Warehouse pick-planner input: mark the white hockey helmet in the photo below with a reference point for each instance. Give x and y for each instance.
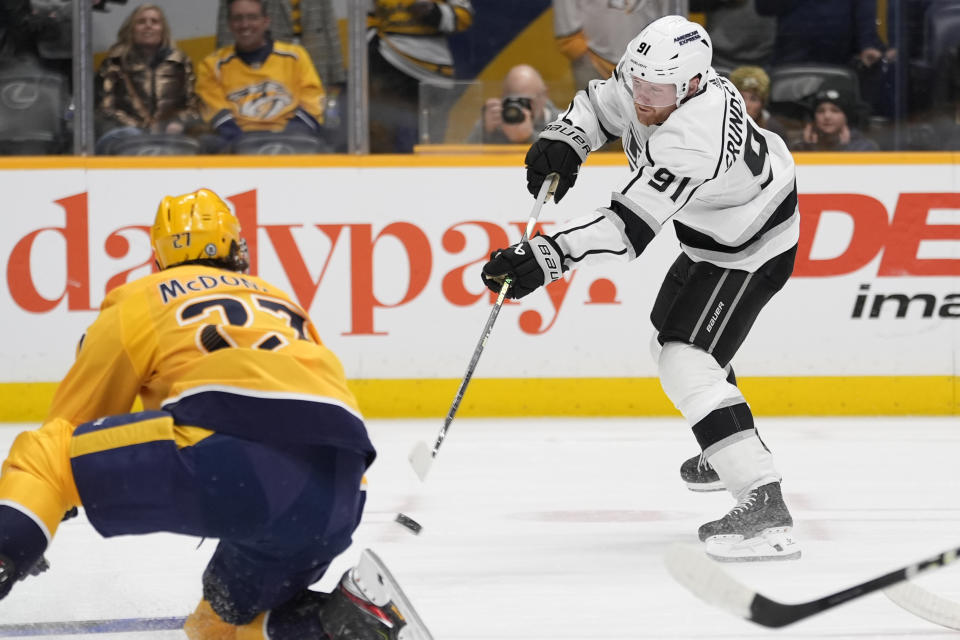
(669, 50)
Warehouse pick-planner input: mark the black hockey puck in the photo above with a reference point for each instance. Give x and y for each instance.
(412, 525)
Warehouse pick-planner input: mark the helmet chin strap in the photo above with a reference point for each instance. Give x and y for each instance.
(683, 88)
(687, 93)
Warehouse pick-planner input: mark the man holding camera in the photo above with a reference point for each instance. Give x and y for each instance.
(519, 114)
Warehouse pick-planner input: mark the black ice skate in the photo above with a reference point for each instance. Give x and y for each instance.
(368, 604)
(758, 528)
(9, 573)
(699, 475)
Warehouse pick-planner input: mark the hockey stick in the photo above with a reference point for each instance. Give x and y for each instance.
(421, 456)
(118, 625)
(925, 604)
(705, 578)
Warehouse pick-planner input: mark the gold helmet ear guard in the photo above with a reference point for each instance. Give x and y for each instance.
(197, 227)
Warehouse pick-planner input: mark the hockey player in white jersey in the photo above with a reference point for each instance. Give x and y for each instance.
(728, 186)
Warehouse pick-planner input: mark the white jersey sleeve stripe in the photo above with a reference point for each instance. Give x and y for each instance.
(577, 127)
(637, 232)
(775, 213)
(646, 218)
(607, 127)
(779, 239)
(595, 239)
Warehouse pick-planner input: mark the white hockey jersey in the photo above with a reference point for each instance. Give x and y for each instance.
(728, 185)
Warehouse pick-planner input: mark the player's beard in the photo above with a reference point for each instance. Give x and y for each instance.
(650, 116)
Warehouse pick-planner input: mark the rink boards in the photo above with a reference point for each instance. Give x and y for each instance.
(385, 254)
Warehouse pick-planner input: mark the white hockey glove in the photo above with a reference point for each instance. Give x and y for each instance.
(529, 265)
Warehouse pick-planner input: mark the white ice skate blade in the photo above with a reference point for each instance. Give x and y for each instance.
(772, 544)
(379, 586)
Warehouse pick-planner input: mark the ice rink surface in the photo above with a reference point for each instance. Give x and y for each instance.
(554, 529)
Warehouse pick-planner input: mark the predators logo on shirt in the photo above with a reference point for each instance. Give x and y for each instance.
(262, 101)
(264, 94)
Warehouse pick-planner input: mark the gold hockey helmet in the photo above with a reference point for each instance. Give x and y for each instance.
(197, 226)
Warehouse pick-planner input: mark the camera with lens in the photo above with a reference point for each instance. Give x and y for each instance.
(513, 109)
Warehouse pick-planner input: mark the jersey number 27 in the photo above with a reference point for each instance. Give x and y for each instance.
(270, 328)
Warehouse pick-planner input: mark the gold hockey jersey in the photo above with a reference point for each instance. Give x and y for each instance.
(261, 97)
(218, 349)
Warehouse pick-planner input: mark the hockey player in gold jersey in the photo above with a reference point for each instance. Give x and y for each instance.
(249, 435)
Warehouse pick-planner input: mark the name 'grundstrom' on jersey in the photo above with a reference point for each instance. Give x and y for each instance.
(728, 185)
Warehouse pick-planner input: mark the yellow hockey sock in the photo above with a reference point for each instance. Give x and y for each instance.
(205, 624)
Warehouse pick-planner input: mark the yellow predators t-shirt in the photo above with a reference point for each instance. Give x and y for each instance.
(262, 97)
(218, 349)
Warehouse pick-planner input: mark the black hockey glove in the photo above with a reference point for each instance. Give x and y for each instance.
(552, 156)
(529, 265)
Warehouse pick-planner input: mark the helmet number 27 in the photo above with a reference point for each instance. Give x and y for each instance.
(181, 240)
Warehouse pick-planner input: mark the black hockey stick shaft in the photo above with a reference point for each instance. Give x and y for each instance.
(771, 613)
(546, 191)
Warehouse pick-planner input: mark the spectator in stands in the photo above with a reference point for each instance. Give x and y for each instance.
(825, 31)
(144, 85)
(740, 36)
(313, 25)
(832, 127)
(519, 114)
(754, 85)
(838, 32)
(409, 49)
(593, 34)
(258, 83)
(310, 23)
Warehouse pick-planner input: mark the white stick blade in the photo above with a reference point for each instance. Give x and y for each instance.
(421, 457)
(925, 604)
(706, 579)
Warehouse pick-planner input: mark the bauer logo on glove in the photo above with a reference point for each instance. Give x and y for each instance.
(562, 156)
(528, 266)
